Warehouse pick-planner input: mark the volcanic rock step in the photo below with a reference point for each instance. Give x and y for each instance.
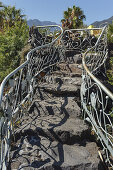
(59, 85)
(70, 70)
(37, 152)
(57, 128)
(59, 120)
(53, 137)
(55, 79)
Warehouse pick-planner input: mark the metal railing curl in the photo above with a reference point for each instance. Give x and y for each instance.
(16, 90)
(96, 98)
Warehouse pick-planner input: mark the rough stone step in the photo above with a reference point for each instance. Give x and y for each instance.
(57, 128)
(64, 74)
(41, 94)
(36, 152)
(60, 116)
(64, 80)
(61, 89)
(71, 68)
(56, 107)
(73, 56)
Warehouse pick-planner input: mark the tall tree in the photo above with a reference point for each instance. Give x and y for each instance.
(73, 18)
(10, 15)
(1, 15)
(13, 37)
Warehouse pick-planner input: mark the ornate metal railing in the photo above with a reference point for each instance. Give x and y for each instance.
(17, 89)
(96, 99)
(80, 40)
(77, 41)
(43, 35)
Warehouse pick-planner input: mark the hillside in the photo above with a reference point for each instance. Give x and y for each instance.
(36, 22)
(99, 23)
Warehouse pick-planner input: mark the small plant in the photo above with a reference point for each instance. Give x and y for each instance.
(110, 46)
(110, 33)
(111, 114)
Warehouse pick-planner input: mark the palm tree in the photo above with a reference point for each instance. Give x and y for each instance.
(1, 15)
(10, 15)
(67, 18)
(1, 5)
(73, 18)
(17, 15)
(77, 17)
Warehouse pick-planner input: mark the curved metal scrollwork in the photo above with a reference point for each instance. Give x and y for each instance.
(42, 35)
(80, 40)
(16, 90)
(96, 99)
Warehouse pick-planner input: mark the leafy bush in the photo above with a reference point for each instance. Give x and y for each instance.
(110, 33)
(12, 40)
(110, 48)
(110, 70)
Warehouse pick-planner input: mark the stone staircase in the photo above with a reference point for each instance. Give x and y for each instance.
(53, 135)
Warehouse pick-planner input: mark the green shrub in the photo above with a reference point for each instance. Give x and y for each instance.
(110, 33)
(12, 39)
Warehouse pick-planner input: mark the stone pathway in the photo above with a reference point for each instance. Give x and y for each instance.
(53, 136)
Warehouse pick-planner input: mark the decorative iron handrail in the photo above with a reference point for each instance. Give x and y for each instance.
(28, 58)
(16, 89)
(96, 99)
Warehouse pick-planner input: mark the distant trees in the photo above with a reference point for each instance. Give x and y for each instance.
(14, 33)
(73, 18)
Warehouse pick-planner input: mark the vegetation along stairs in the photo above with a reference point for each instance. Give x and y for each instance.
(46, 101)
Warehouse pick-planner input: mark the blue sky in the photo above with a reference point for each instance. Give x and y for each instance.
(52, 10)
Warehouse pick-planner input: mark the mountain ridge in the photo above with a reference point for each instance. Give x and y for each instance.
(37, 22)
(99, 23)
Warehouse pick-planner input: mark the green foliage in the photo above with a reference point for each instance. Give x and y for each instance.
(110, 69)
(111, 114)
(73, 18)
(110, 33)
(13, 37)
(110, 76)
(24, 52)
